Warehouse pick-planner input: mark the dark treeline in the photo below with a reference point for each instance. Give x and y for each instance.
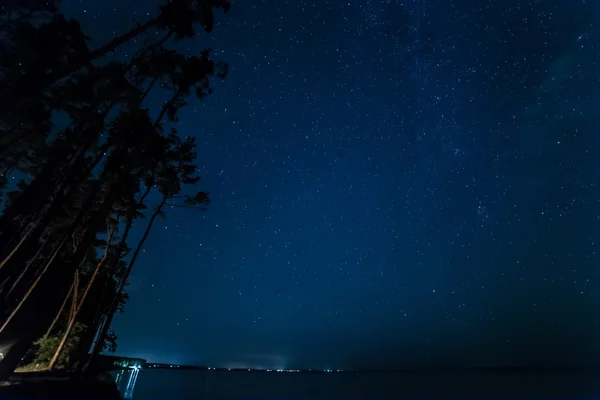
(65, 252)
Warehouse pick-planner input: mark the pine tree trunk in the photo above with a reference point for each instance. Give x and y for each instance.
(77, 306)
(51, 214)
(102, 335)
(102, 321)
(60, 311)
(124, 38)
(74, 177)
(93, 323)
(24, 330)
(136, 253)
(61, 345)
(16, 282)
(33, 285)
(74, 170)
(44, 186)
(30, 194)
(17, 247)
(70, 324)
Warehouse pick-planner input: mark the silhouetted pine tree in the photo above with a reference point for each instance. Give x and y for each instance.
(175, 170)
(176, 17)
(100, 167)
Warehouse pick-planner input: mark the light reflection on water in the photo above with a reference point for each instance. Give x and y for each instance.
(126, 380)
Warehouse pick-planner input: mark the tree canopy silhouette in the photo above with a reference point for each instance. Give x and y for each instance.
(65, 254)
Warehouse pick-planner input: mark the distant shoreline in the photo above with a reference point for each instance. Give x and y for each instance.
(435, 370)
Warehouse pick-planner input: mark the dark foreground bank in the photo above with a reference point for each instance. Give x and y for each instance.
(53, 387)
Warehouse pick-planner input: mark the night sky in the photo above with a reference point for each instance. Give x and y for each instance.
(394, 183)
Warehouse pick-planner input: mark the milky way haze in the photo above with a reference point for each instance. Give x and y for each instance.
(393, 185)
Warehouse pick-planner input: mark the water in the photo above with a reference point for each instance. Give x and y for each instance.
(126, 381)
(215, 385)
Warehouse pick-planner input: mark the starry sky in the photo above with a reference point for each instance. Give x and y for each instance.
(394, 183)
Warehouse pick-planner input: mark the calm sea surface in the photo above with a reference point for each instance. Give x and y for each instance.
(212, 385)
